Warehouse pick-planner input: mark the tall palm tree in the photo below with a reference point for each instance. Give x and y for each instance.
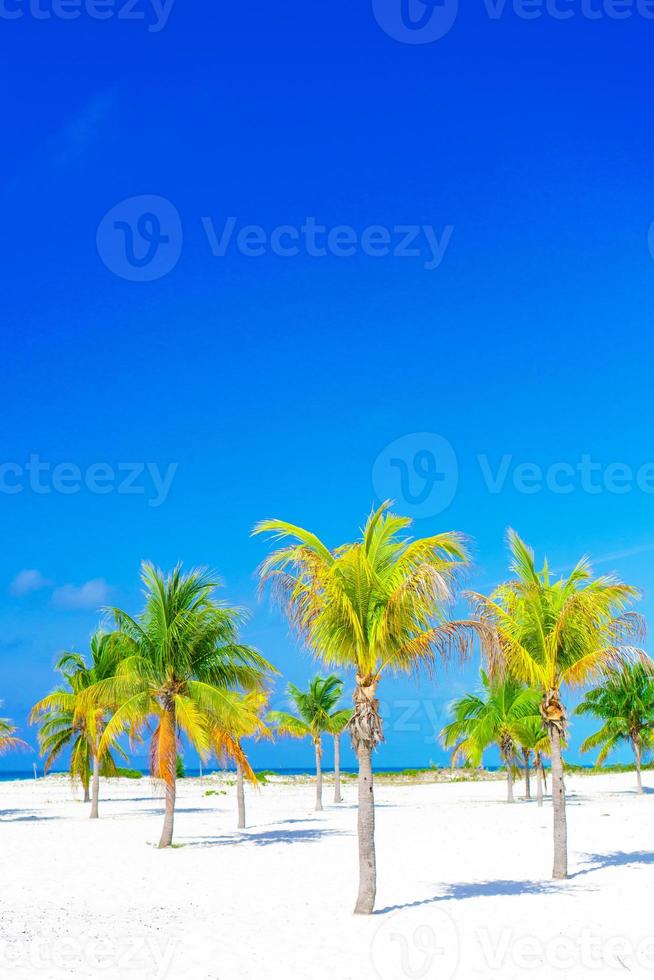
(533, 740)
(182, 668)
(492, 717)
(552, 634)
(378, 605)
(64, 723)
(315, 715)
(8, 739)
(625, 703)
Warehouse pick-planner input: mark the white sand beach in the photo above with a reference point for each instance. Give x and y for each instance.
(463, 884)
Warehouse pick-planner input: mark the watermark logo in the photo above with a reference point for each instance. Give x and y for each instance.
(420, 471)
(416, 21)
(416, 949)
(140, 239)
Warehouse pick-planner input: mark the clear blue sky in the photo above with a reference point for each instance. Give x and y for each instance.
(274, 382)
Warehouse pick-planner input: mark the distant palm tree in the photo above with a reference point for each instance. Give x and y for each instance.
(183, 668)
(315, 715)
(378, 605)
(64, 723)
(338, 722)
(8, 739)
(533, 739)
(625, 703)
(550, 634)
(258, 729)
(492, 717)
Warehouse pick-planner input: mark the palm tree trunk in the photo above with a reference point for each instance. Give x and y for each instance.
(366, 831)
(639, 778)
(169, 816)
(240, 796)
(509, 780)
(318, 775)
(168, 719)
(539, 780)
(337, 769)
(365, 727)
(87, 791)
(560, 869)
(527, 775)
(95, 788)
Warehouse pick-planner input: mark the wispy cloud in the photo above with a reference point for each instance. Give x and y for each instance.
(29, 580)
(84, 128)
(78, 136)
(89, 595)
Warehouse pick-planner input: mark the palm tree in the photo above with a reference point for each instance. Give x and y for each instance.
(551, 634)
(377, 605)
(492, 717)
(533, 740)
(315, 715)
(64, 723)
(625, 703)
(258, 729)
(183, 668)
(336, 724)
(8, 739)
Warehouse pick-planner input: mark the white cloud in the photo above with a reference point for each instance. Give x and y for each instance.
(29, 580)
(89, 595)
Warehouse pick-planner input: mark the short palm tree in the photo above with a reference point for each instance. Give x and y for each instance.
(378, 605)
(65, 724)
(256, 729)
(552, 634)
(625, 703)
(492, 717)
(337, 722)
(183, 669)
(533, 740)
(315, 715)
(8, 739)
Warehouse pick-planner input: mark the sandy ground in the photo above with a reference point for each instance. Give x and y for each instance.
(463, 889)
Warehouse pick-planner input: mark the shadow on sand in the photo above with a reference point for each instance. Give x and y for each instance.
(492, 889)
(264, 837)
(15, 816)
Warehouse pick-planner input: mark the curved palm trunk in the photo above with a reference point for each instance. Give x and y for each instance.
(337, 769)
(366, 732)
(560, 869)
(539, 779)
(639, 778)
(318, 774)
(87, 791)
(240, 796)
(526, 755)
(95, 792)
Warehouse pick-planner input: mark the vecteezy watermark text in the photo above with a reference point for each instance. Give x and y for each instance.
(154, 13)
(426, 21)
(342, 241)
(91, 956)
(421, 471)
(42, 478)
(140, 239)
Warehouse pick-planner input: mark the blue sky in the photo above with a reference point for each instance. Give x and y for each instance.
(273, 385)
